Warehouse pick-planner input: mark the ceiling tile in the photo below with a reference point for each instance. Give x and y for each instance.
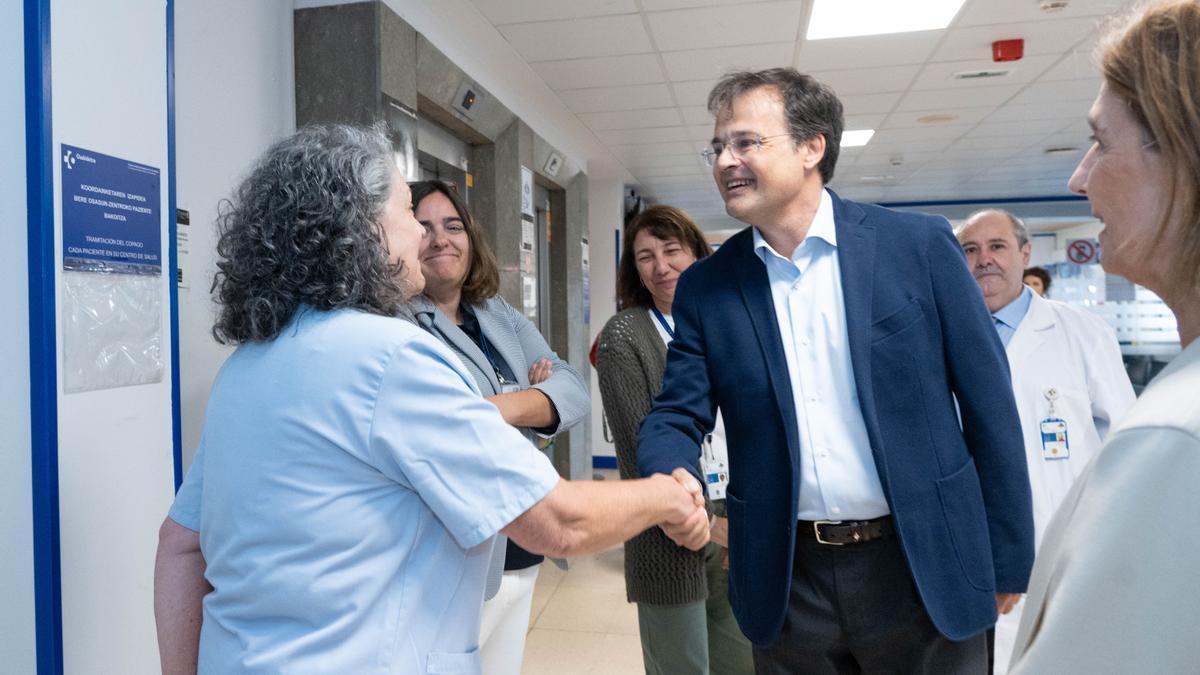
(980, 12)
(939, 99)
(866, 104)
(870, 51)
(874, 121)
(631, 119)
(677, 159)
(941, 75)
(517, 11)
(579, 38)
(1064, 90)
(937, 136)
(1076, 65)
(743, 24)
(651, 149)
(690, 94)
(911, 118)
(661, 5)
(609, 71)
(632, 136)
(868, 80)
(699, 64)
(1041, 37)
(1022, 128)
(1014, 112)
(603, 99)
(697, 115)
(693, 171)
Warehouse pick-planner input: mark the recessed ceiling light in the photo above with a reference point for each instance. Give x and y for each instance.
(856, 137)
(937, 118)
(843, 18)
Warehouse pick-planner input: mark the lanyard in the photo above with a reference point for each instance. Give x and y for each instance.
(487, 352)
(662, 320)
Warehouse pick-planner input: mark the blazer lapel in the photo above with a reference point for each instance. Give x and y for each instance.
(503, 338)
(856, 258)
(433, 320)
(756, 294)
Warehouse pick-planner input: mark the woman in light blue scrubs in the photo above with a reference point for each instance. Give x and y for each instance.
(342, 506)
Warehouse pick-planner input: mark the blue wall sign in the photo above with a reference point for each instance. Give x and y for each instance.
(110, 213)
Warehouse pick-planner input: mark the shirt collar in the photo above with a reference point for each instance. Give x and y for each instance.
(822, 228)
(1012, 313)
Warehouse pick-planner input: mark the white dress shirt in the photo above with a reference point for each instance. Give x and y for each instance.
(838, 479)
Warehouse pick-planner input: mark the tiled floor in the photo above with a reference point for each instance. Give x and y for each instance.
(580, 623)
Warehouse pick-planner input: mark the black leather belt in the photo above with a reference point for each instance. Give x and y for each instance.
(840, 533)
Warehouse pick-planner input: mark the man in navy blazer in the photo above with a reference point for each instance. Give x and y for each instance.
(869, 529)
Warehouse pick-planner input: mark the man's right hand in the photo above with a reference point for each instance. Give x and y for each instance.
(689, 526)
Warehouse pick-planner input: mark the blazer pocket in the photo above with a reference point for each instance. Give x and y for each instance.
(897, 321)
(966, 519)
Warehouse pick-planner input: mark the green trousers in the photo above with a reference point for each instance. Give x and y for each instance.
(697, 638)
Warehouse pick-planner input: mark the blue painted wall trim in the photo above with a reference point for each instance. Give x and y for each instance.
(43, 360)
(604, 462)
(989, 200)
(173, 252)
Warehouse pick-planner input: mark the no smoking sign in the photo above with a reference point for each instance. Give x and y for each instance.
(1083, 251)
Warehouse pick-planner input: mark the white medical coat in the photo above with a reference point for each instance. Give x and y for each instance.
(1074, 352)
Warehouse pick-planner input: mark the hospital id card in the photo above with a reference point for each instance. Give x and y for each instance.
(714, 469)
(1054, 439)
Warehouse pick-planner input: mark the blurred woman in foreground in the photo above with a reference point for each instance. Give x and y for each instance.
(341, 508)
(1115, 587)
(684, 617)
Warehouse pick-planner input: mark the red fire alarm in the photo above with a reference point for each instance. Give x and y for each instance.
(1008, 50)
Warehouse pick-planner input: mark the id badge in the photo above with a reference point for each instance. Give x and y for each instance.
(1054, 439)
(510, 388)
(714, 470)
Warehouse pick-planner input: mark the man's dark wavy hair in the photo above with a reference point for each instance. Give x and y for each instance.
(303, 229)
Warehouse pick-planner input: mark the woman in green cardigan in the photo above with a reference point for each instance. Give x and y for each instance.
(684, 618)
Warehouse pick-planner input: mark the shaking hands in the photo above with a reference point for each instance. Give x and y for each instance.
(688, 525)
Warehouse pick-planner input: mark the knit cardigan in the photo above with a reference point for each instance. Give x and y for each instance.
(630, 359)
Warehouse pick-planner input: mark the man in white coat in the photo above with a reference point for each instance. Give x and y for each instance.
(1068, 378)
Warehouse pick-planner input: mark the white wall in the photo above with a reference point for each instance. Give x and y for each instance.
(234, 96)
(115, 457)
(605, 215)
(17, 646)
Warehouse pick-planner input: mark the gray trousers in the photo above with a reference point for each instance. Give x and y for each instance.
(855, 609)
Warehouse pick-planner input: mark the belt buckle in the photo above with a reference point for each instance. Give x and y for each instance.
(817, 531)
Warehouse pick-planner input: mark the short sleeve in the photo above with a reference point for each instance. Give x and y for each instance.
(433, 432)
(185, 510)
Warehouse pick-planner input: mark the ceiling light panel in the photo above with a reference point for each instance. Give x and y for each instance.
(854, 138)
(850, 18)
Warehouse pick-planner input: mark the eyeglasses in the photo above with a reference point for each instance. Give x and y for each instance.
(738, 146)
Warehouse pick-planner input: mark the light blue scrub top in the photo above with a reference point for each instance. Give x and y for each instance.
(347, 490)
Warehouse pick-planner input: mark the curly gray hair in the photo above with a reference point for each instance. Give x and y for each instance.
(303, 229)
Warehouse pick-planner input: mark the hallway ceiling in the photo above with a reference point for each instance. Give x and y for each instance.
(637, 73)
